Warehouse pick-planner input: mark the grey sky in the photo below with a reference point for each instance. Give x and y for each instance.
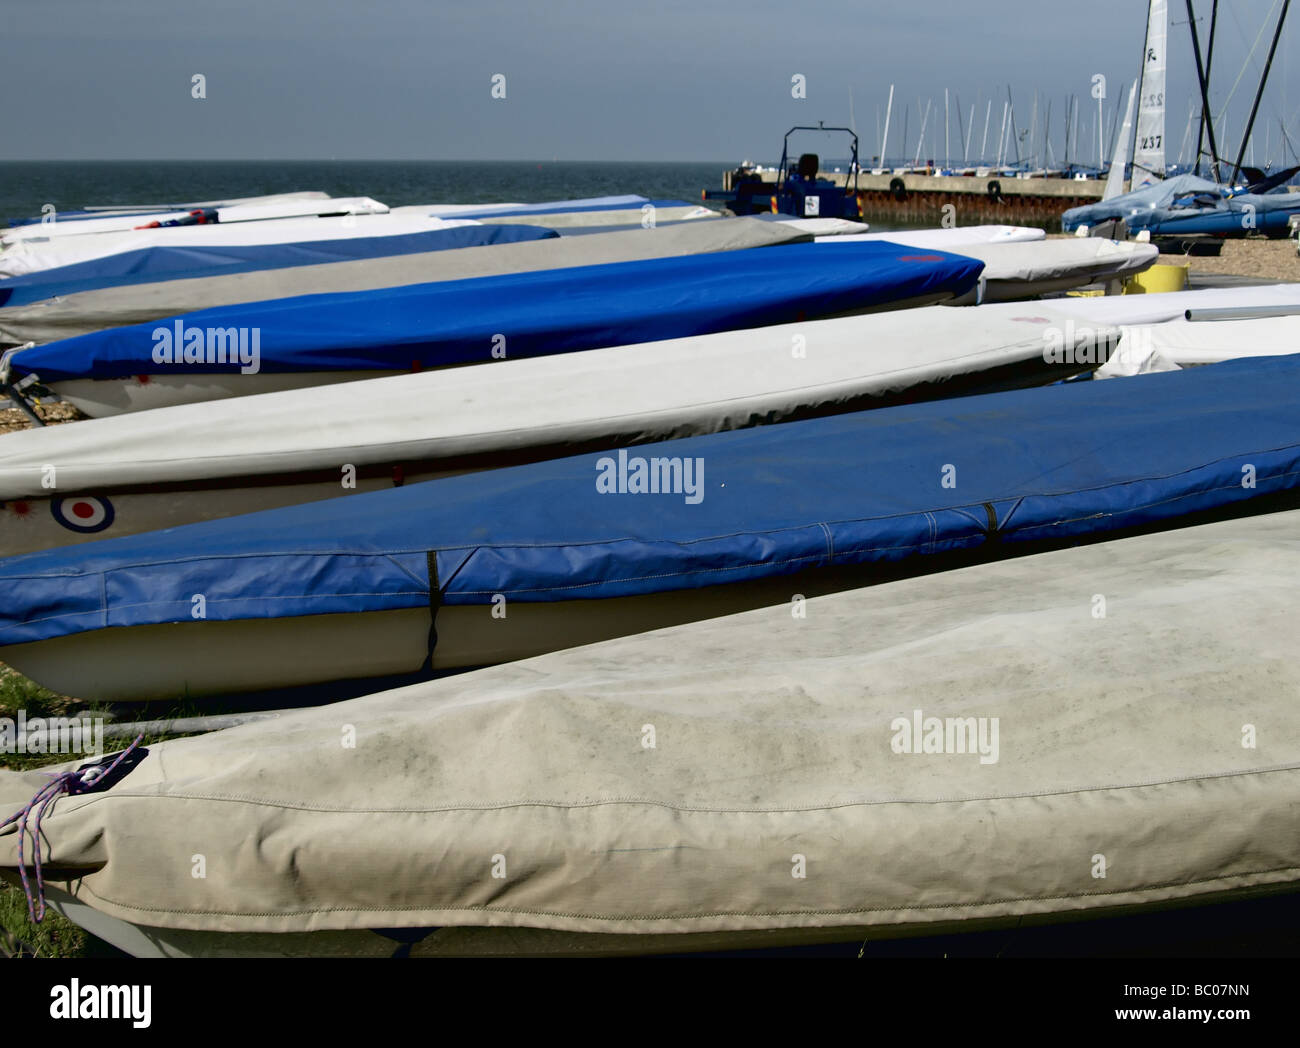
(586, 80)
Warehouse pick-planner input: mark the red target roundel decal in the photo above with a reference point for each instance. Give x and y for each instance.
(83, 513)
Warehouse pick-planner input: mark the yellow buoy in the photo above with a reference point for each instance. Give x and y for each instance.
(1158, 279)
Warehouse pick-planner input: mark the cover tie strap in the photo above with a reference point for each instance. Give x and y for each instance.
(80, 780)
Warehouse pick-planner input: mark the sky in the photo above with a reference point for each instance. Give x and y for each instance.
(583, 79)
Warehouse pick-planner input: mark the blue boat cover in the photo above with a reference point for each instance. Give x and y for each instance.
(1235, 216)
(1188, 204)
(152, 264)
(1158, 195)
(880, 485)
(537, 313)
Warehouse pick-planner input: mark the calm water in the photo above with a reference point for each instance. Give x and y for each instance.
(25, 186)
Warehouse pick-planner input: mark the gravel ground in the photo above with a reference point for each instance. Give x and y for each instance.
(1257, 258)
(1262, 259)
(53, 413)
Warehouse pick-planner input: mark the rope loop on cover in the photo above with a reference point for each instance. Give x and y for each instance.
(80, 780)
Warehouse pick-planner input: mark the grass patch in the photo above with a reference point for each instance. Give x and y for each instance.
(53, 937)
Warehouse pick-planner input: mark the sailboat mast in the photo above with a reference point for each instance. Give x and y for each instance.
(885, 140)
(1101, 123)
(920, 139)
(1207, 118)
(1014, 140)
(947, 154)
(1204, 82)
(1254, 110)
(961, 129)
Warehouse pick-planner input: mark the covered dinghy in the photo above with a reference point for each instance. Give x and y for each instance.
(151, 265)
(1161, 194)
(130, 473)
(945, 239)
(1237, 216)
(87, 311)
(100, 210)
(599, 545)
(35, 258)
(579, 215)
(1019, 262)
(1019, 270)
(606, 203)
(941, 753)
(315, 339)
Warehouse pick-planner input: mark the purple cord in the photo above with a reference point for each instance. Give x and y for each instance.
(64, 782)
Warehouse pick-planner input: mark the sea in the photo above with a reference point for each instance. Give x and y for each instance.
(27, 186)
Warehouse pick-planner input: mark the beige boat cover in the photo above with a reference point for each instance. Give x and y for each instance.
(746, 773)
(86, 311)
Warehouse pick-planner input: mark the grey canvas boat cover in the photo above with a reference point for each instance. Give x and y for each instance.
(1103, 727)
(87, 311)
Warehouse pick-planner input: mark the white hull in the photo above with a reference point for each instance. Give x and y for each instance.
(146, 470)
(170, 661)
(104, 398)
(666, 791)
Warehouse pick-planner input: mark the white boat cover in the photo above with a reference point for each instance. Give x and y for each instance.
(1020, 262)
(1183, 343)
(577, 220)
(443, 210)
(828, 227)
(1020, 269)
(235, 213)
(761, 771)
(172, 205)
(629, 394)
(36, 257)
(591, 212)
(951, 239)
(86, 311)
(1157, 308)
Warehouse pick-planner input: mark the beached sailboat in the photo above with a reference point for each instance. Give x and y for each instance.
(127, 474)
(1247, 202)
(317, 339)
(224, 215)
(652, 794)
(158, 263)
(1020, 262)
(79, 313)
(509, 563)
(40, 253)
